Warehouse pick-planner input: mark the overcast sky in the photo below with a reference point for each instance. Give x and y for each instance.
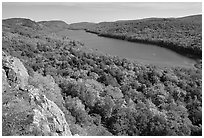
(97, 12)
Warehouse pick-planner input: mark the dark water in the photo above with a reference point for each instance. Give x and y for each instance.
(145, 53)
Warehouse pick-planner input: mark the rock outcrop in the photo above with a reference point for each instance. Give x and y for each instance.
(25, 108)
(15, 70)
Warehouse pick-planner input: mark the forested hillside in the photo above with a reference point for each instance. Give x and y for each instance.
(53, 25)
(100, 94)
(183, 35)
(81, 25)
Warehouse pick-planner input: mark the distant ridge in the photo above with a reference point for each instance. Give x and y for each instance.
(81, 25)
(50, 25)
(192, 18)
(21, 22)
(54, 24)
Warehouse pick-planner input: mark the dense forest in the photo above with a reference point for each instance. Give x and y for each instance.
(105, 95)
(182, 35)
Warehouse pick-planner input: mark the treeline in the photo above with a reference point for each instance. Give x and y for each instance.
(183, 35)
(111, 96)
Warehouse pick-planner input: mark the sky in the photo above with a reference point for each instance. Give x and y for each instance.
(97, 12)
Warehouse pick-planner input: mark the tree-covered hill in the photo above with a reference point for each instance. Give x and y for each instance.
(54, 24)
(19, 22)
(98, 94)
(81, 25)
(183, 35)
(192, 18)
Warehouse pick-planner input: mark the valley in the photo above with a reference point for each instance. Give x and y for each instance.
(55, 82)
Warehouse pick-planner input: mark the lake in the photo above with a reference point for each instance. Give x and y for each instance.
(144, 53)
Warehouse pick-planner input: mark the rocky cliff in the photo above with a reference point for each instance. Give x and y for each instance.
(26, 110)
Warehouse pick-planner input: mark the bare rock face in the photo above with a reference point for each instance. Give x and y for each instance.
(47, 115)
(5, 84)
(16, 72)
(25, 108)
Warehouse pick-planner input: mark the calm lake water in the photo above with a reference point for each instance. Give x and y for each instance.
(145, 53)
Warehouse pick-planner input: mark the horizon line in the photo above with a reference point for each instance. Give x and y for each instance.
(103, 21)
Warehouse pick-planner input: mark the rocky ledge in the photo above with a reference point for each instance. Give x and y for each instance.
(25, 108)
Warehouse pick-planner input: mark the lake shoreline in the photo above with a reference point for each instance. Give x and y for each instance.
(196, 60)
(180, 50)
